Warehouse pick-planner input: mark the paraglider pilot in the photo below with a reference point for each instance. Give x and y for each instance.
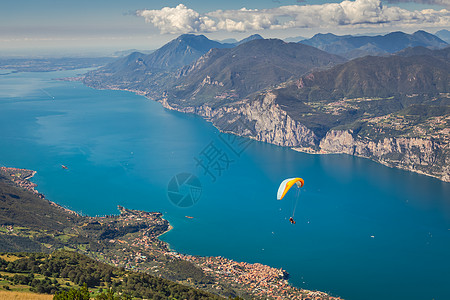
(284, 188)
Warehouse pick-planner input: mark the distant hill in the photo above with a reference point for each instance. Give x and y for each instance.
(444, 35)
(123, 53)
(235, 42)
(441, 54)
(358, 46)
(248, 39)
(228, 41)
(231, 74)
(295, 39)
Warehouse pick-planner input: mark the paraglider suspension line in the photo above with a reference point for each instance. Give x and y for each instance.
(296, 202)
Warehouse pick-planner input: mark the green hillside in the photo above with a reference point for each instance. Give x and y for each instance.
(29, 223)
(346, 96)
(64, 270)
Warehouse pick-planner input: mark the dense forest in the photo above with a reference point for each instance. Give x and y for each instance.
(64, 272)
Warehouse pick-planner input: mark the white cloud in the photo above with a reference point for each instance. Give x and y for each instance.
(358, 13)
(179, 19)
(244, 19)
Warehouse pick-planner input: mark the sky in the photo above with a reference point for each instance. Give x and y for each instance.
(100, 27)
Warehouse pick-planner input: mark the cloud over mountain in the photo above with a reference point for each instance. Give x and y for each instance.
(358, 13)
(179, 19)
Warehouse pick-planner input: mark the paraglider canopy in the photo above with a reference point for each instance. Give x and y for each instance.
(287, 184)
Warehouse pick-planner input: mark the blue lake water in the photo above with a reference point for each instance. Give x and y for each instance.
(364, 231)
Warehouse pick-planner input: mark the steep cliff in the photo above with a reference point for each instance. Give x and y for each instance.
(264, 120)
(421, 155)
(260, 119)
(394, 110)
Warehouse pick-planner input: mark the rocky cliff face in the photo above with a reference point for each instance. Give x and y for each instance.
(263, 120)
(260, 119)
(423, 156)
(399, 106)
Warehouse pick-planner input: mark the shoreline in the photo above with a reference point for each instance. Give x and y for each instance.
(309, 150)
(168, 229)
(255, 280)
(21, 178)
(383, 163)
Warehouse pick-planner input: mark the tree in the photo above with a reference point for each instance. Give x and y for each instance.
(73, 294)
(110, 295)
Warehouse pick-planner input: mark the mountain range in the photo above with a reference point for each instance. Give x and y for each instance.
(293, 94)
(195, 67)
(345, 94)
(294, 39)
(414, 71)
(138, 70)
(234, 73)
(357, 46)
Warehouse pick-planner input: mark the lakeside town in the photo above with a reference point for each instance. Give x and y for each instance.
(131, 240)
(143, 251)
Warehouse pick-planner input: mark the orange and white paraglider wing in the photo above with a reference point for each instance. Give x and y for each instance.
(287, 184)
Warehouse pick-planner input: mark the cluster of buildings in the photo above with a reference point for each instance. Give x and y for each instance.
(257, 279)
(144, 251)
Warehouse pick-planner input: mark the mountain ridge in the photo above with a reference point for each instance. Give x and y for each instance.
(180, 51)
(394, 110)
(357, 46)
(153, 70)
(237, 72)
(380, 77)
(311, 102)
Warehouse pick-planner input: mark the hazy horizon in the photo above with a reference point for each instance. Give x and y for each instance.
(86, 28)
